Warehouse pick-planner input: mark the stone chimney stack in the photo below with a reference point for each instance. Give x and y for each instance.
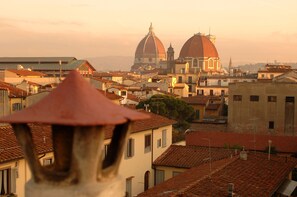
(78, 114)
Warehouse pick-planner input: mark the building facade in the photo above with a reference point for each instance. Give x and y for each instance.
(263, 107)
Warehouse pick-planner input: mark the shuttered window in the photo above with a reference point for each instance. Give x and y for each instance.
(164, 138)
(130, 148)
(8, 181)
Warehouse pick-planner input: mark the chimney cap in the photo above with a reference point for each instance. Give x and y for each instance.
(75, 103)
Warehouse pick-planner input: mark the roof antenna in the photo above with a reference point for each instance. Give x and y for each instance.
(269, 148)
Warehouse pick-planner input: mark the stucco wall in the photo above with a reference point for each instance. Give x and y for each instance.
(246, 115)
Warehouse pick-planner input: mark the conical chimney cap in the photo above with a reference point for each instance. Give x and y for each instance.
(75, 102)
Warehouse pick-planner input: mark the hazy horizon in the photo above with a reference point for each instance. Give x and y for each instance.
(248, 31)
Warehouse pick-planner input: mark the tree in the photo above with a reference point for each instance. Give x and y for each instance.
(170, 107)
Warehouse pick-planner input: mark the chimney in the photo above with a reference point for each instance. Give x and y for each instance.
(230, 189)
(243, 154)
(78, 141)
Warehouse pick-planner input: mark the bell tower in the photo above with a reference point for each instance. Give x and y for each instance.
(170, 59)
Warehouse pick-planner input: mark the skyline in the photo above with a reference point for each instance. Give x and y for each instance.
(248, 32)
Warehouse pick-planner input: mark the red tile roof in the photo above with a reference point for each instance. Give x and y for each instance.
(176, 185)
(110, 95)
(12, 91)
(10, 149)
(26, 73)
(190, 156)
(285, 144)
(196, 100)
(103, 80)
(132, 97)
(256, 176)
(155, 121)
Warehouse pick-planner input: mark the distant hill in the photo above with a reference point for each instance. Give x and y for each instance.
(111, 63)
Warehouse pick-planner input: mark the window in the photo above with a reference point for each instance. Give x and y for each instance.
(160, 176)
(130, 148)
(128, 187)
(211, 92)
(180, 79)
(271, 125)
(290, 99)
(237, 98)
(164, 138)
(190, 79)
(262, 76)
(197, 114)
(254, 98)
(271, 98)
(200, 92)
(48, 161)
(174, 173)
(271, 76)
(147, 143)
(7, 181)
(123, 93)
(222, 92)
(16, 106)
(150, 59)
(159, 143)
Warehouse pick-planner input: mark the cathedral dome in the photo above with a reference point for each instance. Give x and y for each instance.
(150, 47)
(198, 46)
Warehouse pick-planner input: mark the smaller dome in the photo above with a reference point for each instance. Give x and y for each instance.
(198, 45)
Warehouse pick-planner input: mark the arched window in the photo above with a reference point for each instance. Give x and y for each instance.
(146, 180)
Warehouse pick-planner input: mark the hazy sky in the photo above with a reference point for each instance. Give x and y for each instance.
(246, 30)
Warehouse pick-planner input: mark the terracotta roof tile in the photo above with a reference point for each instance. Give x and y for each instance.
(155, 121)
(198, 46)
(110, 95)
(285, 144)
(198, 100)
(190, 156)
(256, 176)
(132, 97)
(10, 149)
(26, 73)
(176, 185)
(12, 91)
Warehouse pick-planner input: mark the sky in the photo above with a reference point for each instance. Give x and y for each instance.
(247, 31)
